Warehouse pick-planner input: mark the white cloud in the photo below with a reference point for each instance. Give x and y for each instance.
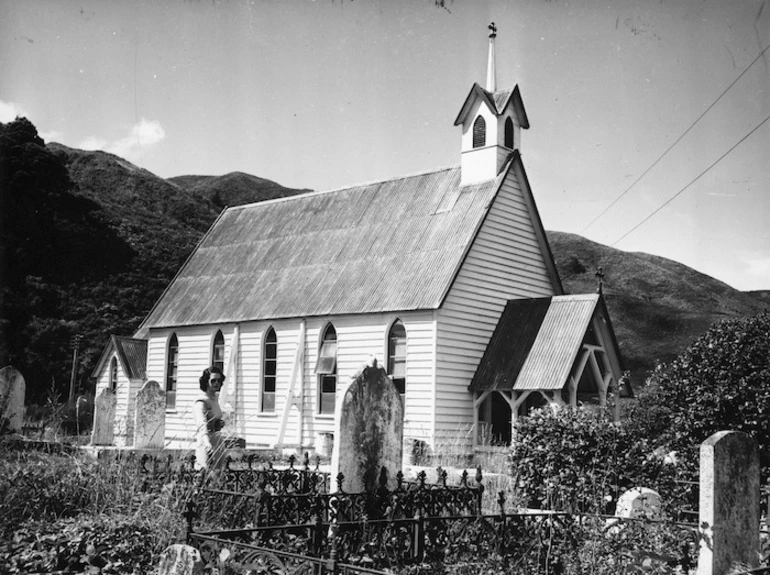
(758, 266)
(52, 136)
(9, 111)
(93, 143)
(143, 135)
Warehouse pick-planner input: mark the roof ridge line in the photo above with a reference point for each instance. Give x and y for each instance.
(343, 188)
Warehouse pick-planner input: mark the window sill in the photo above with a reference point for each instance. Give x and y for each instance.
(267, 415)
(324, 416)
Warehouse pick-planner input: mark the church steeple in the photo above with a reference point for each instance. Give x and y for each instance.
(491, 71)
(491, 122)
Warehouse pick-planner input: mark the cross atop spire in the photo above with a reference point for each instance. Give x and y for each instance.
(491, 72)
(600, 276)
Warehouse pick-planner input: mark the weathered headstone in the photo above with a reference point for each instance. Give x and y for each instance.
(102, 432)
(369, 432)
(180, 559)
(150, 417)
(12, 389)
(639, 503)
(729, 503)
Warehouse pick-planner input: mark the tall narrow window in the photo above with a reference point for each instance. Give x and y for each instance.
(397, 356)
(508, 133)
(172, 365)
(269, 370)
(479, 133)
(218, 351)
(326, 368)
(114, 374)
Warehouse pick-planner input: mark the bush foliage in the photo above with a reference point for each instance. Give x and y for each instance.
(579, 461)
(722, 381)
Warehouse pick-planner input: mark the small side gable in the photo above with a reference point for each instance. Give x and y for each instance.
(496, 102)
(131, 354)
(476, 92)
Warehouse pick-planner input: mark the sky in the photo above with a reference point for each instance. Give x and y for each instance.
(660, 103)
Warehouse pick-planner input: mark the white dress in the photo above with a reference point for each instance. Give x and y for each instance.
(208, 422)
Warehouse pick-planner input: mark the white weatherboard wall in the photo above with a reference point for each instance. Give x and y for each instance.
(125, 395)
(195, 346)
(505, 262)
(358, 337)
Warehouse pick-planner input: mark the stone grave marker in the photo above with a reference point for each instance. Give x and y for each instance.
(150, 417)
(12, 389)
(639, 503)
(369, 432)
(179, 559)
(729, 503)
(103, 429)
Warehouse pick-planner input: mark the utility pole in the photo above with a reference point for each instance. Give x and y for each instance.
(75, 345)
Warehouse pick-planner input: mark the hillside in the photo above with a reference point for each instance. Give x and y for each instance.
(109, 236)
(233, 189)
(657, 306)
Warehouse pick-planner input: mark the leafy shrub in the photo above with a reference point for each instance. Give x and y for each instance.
(577, 461)
(722, 381)
(115, 544)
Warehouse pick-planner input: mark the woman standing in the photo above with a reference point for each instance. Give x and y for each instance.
(208, 418)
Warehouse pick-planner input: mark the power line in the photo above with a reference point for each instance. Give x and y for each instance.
(655, 163)
(672, 198)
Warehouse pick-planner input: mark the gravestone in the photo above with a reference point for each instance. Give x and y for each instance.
(150, 417)
(179, 559)
(639, 503)
(729, 503)
(102, 432)
(369, 432)
(12, 389)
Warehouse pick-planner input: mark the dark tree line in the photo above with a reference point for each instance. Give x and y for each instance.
(57, 257)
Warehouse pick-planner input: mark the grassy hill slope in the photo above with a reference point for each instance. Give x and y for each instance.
(657, 306)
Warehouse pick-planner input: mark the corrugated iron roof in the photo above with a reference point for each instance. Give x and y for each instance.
(132, 354)
(535, 343)
(386, 246)
(558, 342)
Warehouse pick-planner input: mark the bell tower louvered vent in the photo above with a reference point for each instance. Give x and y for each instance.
(491, 122)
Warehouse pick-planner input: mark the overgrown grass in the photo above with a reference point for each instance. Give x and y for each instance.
(66, 512)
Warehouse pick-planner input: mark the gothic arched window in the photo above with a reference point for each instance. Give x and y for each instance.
(172, 367)
(397, 356)
(326, 368)
(269, 370)
(114, 374)
(218, 351)
(479, 133)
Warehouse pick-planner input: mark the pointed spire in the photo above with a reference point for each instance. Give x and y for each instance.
(491, 70)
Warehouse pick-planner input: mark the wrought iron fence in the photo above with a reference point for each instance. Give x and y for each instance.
(417, 526)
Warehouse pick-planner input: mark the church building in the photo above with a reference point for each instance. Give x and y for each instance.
(446, 277)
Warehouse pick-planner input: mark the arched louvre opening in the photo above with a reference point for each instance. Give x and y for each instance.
(508, 133)
(479, 132)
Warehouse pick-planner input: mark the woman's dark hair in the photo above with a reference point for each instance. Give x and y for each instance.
(204, 379)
